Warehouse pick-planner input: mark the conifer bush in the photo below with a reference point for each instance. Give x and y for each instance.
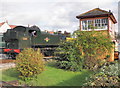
(70, 57)
(29, 63)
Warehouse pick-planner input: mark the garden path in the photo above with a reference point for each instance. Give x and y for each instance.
(6, 65)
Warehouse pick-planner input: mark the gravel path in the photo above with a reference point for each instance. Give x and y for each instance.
(7, 66)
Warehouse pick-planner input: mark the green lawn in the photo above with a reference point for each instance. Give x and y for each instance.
(51, 77)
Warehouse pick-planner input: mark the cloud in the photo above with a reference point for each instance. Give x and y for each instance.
(60, 1)
(51, 14)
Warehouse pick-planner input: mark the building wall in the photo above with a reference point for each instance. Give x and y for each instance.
(111, 28)
(4, 28)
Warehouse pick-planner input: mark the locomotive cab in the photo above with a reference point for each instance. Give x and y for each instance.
(33, 31)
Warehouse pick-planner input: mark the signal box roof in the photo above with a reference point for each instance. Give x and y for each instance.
(97, 12)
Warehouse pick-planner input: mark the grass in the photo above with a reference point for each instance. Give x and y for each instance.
(51, 77)
(9, 75)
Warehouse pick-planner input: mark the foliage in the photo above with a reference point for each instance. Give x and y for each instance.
(29, 63)
(87, 50)
(70, 57)
(106, 76)
(95, 47)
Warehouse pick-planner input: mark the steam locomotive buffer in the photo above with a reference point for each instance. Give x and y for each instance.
(30, 37)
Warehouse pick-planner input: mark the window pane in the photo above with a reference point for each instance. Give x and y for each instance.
(95, 24)
(98, 25)
(84, 23)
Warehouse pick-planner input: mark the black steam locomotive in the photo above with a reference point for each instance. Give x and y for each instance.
(30, 37)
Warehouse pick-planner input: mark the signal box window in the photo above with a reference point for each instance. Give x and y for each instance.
(95, 24)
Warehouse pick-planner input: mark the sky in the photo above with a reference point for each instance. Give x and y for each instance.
(119, 26)
(52, 15)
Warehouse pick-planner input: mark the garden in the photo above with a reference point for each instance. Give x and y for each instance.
(82, 61)
(50, 77)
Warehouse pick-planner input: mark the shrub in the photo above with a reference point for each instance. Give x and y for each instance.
(29, 63)
(69, 56)
(106, 76)
(87, 50)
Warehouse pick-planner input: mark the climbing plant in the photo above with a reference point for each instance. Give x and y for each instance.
(95, 47)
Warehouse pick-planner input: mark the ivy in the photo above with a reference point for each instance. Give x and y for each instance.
(94, 45)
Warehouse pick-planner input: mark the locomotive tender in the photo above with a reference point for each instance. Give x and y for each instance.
(30, 37)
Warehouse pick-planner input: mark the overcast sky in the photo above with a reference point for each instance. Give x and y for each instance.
(51, 14)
